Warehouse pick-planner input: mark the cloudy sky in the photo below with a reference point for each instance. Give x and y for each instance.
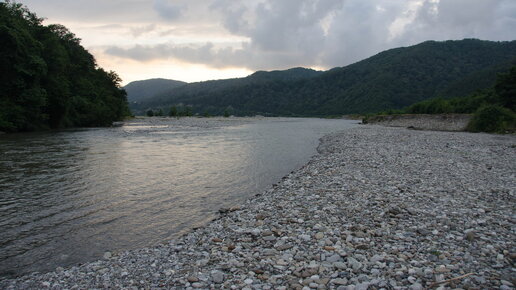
(193, 40)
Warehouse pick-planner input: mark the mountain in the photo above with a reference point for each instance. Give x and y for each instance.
(391, 79)
(200, 90)
(139, 91)
(293, 74)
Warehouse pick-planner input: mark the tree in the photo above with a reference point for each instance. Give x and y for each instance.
(493, 118)
(150, 113)
(173, 111)
(506, 89)
(188, 111)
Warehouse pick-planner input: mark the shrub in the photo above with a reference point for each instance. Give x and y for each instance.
(494, 119)
(173, 111)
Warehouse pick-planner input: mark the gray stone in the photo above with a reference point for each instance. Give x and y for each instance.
(340, 265)
(353, 263)
(305, 237)
(217, 277)
(334, 258)
(339, 281)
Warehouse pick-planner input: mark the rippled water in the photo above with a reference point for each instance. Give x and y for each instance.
(67, 197)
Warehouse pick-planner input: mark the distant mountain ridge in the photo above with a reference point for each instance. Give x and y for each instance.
(389, 80)
(139, 91)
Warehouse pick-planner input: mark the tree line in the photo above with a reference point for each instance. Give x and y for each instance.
(48, 80)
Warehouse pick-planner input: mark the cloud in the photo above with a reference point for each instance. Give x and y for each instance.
(139, 30)
(203, 54)
(91, 11)
(168, 10)
(277, 34)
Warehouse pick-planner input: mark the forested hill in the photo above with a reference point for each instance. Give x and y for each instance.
(206, 88)
(391, 79)
(139, 91)
(48, 80)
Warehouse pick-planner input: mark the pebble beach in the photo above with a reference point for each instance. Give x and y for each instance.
(376, 208)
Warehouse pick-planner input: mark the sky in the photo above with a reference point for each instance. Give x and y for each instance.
(194, 40)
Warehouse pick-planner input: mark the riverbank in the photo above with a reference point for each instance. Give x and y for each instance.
(378, 206)
(433, 122)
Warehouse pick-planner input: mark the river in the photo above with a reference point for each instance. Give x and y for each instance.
(67, 197)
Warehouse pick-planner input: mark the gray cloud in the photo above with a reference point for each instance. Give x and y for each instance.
(113, 11)
(203, 54)
(168, 10)
(458, 19)
(140, 30)
(279, 34)
(358, 30)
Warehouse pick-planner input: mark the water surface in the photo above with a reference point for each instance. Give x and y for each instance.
(67, 197)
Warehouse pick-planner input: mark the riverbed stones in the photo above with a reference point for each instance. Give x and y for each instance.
(375, 208)
(217, 276)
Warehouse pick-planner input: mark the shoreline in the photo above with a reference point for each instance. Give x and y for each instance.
(377, 206)
(433, 122)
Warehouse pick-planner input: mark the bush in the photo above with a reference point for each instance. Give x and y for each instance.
(432, 106)
(173, 111)
(494, 119)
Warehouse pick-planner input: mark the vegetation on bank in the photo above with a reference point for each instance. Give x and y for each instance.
(494, 109)
(48, 80)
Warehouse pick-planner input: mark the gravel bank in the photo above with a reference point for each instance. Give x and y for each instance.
(195, 122)
(435, 122)
(378, 207)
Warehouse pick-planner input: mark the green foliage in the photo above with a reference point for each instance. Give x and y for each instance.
(494, 119)
(188, 111)
(432, 106)
(506, 89)
(48, 80)
(150, 113)
(172, 112)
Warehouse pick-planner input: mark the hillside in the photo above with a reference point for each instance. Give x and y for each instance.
(196, 92)
(391, 79)
(478, 80)
(49, 80)
(139, 91)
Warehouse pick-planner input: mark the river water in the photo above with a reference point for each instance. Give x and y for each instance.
(67, 197)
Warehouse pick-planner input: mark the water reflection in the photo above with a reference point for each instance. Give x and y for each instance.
(67, 197)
